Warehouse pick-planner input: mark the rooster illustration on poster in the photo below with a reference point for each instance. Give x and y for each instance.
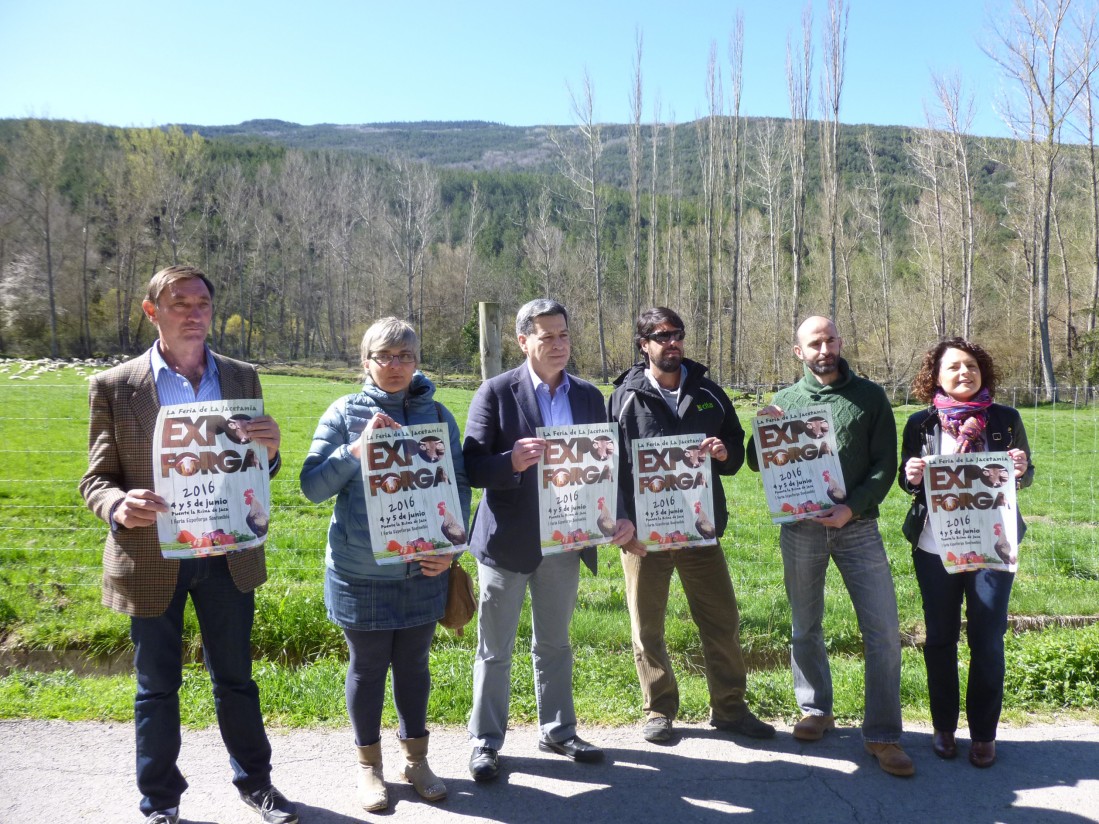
(672, 495)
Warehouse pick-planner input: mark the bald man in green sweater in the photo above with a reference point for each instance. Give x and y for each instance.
(866, 438)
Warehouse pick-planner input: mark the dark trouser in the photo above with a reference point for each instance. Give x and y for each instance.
(225, 620)
(986, 593)
(373, 652)
(709, 590)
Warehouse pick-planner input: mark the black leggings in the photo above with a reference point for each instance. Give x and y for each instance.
(373, 652)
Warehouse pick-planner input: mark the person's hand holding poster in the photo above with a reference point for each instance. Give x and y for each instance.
(798, 463)
(411, 496)
(577, 486)
(971, 507)
(214, 479)
(674, 501)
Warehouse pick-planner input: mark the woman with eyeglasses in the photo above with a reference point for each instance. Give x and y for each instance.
(387, 612)
(958, 380)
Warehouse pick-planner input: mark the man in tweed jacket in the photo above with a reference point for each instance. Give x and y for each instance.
(152, 590)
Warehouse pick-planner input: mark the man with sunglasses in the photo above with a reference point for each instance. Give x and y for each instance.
(669, 394)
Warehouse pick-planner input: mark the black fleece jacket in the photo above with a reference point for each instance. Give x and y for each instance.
(704, 409)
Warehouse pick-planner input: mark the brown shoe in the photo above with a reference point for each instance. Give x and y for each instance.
(982, 753)
(891, 758)
(813, 727)
(944, 745)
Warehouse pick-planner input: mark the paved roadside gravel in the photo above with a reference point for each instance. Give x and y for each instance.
(83, 772)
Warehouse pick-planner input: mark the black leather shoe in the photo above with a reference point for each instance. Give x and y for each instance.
(273, 807)
(575, 748)
(484, 764)
(944, 745)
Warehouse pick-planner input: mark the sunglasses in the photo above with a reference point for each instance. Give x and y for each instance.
(666, 337)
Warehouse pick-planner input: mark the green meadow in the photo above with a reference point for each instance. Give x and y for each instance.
(50, 549)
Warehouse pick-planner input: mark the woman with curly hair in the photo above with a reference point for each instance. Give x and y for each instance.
(958, 379)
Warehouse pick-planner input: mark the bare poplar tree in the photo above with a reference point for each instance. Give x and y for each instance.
(474, 226)
(231, 196)
(299, 191)
(654, 216)
(634, 150)
(735, 162)
(799, 69)
(1048, 79)
(834, 37)
(579, 153)
(925, 150)
(957, 112)
(410, 218)
(871, 213)
(543, 243)
(674, 228)
(709, 162)
(770, 153)
(1089, 61)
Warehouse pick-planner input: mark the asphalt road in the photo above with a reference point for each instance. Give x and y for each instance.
(83, 772)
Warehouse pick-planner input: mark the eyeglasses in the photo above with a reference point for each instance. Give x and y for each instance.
(666, 337)
(384, 359)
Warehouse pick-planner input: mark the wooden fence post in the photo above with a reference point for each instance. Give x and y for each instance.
(491, 350)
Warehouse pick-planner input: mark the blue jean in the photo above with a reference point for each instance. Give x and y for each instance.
(859, 555)
(225, 620)
(373, 653)
(552, 600)
(986, 593)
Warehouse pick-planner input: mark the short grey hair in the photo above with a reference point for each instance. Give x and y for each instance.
(537, 308)
(388, 333)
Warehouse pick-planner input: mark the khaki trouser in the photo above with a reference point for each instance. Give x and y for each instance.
(709, 590)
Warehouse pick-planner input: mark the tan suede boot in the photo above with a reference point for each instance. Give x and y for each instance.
(371, 786)
(418, 773)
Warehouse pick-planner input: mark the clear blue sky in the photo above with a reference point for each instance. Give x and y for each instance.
(214, 63)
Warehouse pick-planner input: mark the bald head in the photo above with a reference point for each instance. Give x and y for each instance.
(814, 325)
(818, 346)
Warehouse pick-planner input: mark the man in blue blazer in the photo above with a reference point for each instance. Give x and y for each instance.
(501, 452)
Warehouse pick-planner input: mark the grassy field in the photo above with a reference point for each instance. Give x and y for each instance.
(50, 549)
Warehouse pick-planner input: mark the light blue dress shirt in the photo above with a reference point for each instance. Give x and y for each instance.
(173, 388)
(555, 407)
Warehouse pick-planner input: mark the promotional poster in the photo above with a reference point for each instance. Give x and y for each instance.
(971, 507)
(214, 479)
(411, 496)
(798, 463)
(672, 493)
(577, 486)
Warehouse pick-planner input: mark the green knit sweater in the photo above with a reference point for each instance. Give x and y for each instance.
(866, 433)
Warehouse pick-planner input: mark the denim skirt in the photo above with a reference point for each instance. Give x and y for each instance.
(384, 603)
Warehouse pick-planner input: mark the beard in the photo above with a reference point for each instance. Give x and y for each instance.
(823, 368)
(669, 361)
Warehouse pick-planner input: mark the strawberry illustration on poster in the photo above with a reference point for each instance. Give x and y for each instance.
(215, 480)
(798, 463)
(672, 493)
(577, 486)
(971, 505)
(411, 496)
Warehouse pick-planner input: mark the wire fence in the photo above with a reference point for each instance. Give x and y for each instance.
(43, 453)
